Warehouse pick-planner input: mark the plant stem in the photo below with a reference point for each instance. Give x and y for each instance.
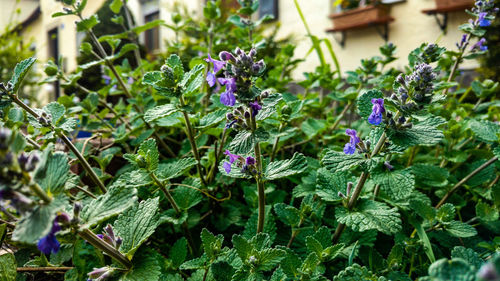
(68, 143)
(275, 144)
(95, 241)
(464, 180)
(359, 187)
(189, 130)
(258, 179)
(39, 192)
(218, 154)
(341, 115)
(295, 232)
(45, 268)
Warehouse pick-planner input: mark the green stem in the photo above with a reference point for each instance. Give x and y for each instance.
(314, 41)
(194, 149)
(68, 143)
(260, 183)
(275, 144)
(95, 241)
(39, 192)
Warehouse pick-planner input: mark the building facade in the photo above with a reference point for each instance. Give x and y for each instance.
(410, 27)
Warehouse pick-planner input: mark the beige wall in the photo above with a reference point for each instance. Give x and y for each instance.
(14, 12)
(410, 28)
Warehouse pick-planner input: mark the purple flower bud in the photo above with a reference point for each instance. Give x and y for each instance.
(488, 272)
(250, 161)
(388, 166)
(375, 117)
(253, 52)
(106, 78)
(227, 167)
(341, 195)
(480, 45)
(226, 56)
(482, 19)
(255, 106)
(239, 51)
(349, 188)
(227, 98)
(130, 80)
(229, 125)
(99, 273)
(232, 157)
(49, 243)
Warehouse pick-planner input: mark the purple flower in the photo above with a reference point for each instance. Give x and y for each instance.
(250, 160)
(255, 106)
(217, 64)
(227, 167)
(211, 78)
(480, 45)
(375, 117)
(106, 78)
(226, 56)
(482, 20)
(350, 147)
(49, 243)
(228, 98)
(130, 80)
(232, 157)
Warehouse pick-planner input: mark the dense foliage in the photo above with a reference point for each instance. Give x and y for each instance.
(373, 174)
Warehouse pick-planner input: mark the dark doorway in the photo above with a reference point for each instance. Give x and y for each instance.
(53, 44)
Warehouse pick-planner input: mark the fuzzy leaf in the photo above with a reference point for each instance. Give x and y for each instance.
(423, 133)
(397, 185)
(176, 168)
(53, 173)
(178, 252)
(370, 215)
(192, 80)
(456, 270)
(87, 24)
(329, 184)
(468, 255)
(486, 212)
(211, 244)
(485, 130)
(289, 215)
(20, 72)
(136, 225)
(460, 229)
(285, 168)
(8, 267)
(355, 272)
(336, 161)
(160, 111)
(115, 201)
(244, 141)
(146, 267)
(365, 102)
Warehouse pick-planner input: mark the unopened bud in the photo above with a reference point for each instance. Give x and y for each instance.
(349, 188)
(252, 53)
(226, 56)
(252, 259)
(341, 195)
(388, 166)
(229, 116)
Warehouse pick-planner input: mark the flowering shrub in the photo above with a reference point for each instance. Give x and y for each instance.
(217, 146)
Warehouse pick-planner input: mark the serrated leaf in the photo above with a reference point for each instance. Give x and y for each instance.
(268, 106)
(486, 212)
(186, 197)
(269, 225)
(289, 215)
(212, 119)
(222, 271)
(115, 201)
(53, 172)
(149, 151)
(242, 246)
(468, 255)
(285, 168)
(175, 169)
(485, 130)
(55, 110)
(397, 184)
(178, 252)
(87, 24)
(422, 133)
(446, 212)
(455, 269)
(160, 111)
(460, 229)
(136, 224)
(355, 272)
(336, 161)
(311, 127)
(267, 259)
(38, 222)
(211, 244)
(329, 184)
(430, 175)
(8, 267)
(146, 267)
(115, 6)
(16, 115)
(244, 141)
(364, 102)
(368, 215)
(20, 72)
(192, 80)
(196, 263)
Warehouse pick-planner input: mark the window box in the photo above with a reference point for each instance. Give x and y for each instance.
(453, 4)
(360, 17)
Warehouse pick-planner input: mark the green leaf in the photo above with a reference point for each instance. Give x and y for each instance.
(422, 133)
(455, 269)
(175, 169)
(430, 175)
(311, 127)
(397, 184)
(175, 62)
(368, 215)
(115, 6)
(423, 238)
(38, 222)
(329, 184)
(146, 267)
(365, 102)
(160, 111)
(87, 24)
(336, 161)
(468, 255)
(149, 151)
(269, 106)
(355, 272)
(8, 267)
(16, 115)
(136, 224)
(186, 197)
(460, 229)
(485, 130)
(486, 212)
(211, 244)
(20, 72)
(53, 172)
(244, 141)
(192, 80)
(85, 258)
(55, 110)
(423, 209)
(285, 168)
(267, 259)
(117, 200)
(446, 213)
(152, 24)
(212, 119)
(221, 270)
(125, 49)
(178, 252)
(289, 215)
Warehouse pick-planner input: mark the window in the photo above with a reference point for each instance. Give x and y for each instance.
(268, 7)
(152, 36)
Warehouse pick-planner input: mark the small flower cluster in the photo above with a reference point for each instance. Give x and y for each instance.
(238, 72)
(240, 117)
(354, 142)
(418, 85)
(247, 164)
(378, 109)
(485, 10)
(99, 274)
(109, 237)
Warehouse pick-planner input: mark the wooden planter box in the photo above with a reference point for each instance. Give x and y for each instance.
(450, 4)
(360, 17)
